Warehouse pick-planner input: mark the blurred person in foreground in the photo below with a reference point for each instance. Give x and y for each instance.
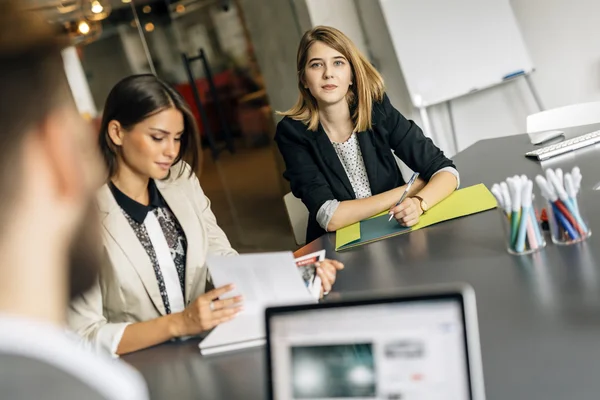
(49, 243)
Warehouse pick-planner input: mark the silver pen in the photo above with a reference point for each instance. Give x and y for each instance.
(412, 180)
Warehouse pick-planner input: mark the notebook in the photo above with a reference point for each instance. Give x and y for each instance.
(419, 345)
(467, 201)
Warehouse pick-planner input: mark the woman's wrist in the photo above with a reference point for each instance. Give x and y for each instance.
(176, 325)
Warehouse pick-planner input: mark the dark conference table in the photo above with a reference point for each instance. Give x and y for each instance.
(539, 315)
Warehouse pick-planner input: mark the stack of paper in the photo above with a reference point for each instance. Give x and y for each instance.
(269, 279)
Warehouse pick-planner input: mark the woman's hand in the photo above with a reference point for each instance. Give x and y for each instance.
(327, 270)
(408, 212)
(207, 311)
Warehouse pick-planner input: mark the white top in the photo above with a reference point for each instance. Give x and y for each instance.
(50, 344)
(165, 263)
(351, 158)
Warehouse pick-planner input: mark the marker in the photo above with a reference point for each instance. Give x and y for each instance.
(536, 227)
(506, 197)
(514, 186)
(577, 178)
(513, 75)
(546, 187)
(497, 192)
(526, 201)
(571, 191)
(565, 205)
(559, 175)
(564, 222)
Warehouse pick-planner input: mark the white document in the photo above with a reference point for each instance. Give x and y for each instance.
(265, 279)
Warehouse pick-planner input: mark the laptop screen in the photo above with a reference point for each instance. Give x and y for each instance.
(393, 350)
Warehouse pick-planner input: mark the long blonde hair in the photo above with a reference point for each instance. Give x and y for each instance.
(368, 83)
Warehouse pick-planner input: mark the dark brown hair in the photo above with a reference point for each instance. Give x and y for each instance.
(32, 85)
(136, 98)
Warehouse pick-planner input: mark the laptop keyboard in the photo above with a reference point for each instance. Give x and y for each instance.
(566, 146)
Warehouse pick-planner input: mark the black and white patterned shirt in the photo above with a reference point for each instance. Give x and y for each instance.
(141, 217)
(352, 160)
(350, 156)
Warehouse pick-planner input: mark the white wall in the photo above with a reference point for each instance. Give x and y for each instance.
(563, 38)
(341, 14)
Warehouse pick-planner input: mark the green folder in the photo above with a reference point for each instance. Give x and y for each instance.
(467, 201)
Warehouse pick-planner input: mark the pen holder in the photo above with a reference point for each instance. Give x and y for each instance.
(567, 222)
(522, 231)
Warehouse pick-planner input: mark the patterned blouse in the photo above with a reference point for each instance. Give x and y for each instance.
(352, 160)
(138, 216)
(350, 155)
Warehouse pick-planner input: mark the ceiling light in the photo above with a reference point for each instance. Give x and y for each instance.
(126, 1)
(96, 10)
(147, 9)
(180, 8)
(83, 28)
(149, 27)
(97, 7)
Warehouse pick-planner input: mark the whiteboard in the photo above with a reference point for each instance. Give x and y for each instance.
(450, 48)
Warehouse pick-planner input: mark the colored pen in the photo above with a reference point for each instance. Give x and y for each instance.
(412, 180)
(514, 186)
(564, 222)
(561, 215)
(526, 194)
(506, 197)
(572, 192)
(576, 173)
(559, 174)
(565, 205)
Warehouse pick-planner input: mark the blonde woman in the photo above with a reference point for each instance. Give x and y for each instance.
(336, 141)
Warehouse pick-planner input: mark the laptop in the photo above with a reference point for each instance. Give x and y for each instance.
(421, 344)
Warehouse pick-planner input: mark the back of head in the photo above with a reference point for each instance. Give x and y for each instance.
(33, 83)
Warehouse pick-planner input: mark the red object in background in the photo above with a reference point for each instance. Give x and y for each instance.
(544, 216)
(225, 83)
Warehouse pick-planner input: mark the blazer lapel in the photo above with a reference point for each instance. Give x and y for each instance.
(120, 230)
(187, 218)
(333, 161)
(370, 158)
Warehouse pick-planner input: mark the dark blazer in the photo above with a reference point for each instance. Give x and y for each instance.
(317, 175)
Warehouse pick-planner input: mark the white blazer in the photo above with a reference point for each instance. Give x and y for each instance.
(127, 290)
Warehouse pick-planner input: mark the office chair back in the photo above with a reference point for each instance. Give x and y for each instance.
(576, 119)
(298, 216)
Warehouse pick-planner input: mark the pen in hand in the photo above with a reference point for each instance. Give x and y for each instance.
(412, 180)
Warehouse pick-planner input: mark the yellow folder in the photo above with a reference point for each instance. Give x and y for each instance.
(467, 201)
